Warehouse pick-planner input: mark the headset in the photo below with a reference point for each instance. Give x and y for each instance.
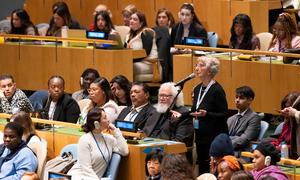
(268, 160)
(97, 125)
(81, 81)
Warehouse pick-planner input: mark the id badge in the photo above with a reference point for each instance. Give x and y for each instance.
(196, 124)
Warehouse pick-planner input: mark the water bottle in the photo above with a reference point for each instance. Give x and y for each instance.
(284, 150)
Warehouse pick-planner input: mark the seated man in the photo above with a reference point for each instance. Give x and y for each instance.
(166, 125)
(15, 157)
(244, 126)
(12, 99)
(59, 105)
(140, 109)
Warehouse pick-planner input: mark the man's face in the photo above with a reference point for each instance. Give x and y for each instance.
(138, 96)
(165, 96)
(11, 139)
(241, 102)
(56, 89)
(8, 87)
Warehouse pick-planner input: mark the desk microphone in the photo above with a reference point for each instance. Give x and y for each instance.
(181, 82)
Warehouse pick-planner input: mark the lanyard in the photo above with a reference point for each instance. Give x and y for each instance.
(107, 161)
(199, 100)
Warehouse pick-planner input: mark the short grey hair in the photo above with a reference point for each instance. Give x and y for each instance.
(212, 63)
(174, 90)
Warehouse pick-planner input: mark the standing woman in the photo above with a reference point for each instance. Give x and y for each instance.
(209, 108)
(189, 26)
(285, 34)
(141, 37)
(21, 23)
(242, 35)
(95, 148)
(120, 87)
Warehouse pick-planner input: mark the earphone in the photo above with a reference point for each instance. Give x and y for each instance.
(81, 81)
(267, 160)
(97, 125)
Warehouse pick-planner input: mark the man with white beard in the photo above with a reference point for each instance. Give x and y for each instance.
(164, 124)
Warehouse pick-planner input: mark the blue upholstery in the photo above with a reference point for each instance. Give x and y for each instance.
(263, 129)
(212, 39)
(278, 129)
(72, 148)
(113, 167)
(37, 99)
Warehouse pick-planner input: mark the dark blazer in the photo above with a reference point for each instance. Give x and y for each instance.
(66, 110)
(195, 30)
(246, 130)
(214, 122)
(180, 130)
(141, 118)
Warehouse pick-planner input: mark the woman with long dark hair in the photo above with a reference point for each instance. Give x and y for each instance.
(21, 23)
(120, 87)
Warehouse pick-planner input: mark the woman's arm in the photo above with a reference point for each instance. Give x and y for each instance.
(119, 144)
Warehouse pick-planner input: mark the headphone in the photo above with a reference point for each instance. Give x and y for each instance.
(267, 160)
(97, 125)
(81, 81)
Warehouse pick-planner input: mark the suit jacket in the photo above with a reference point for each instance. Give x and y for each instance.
(246, 130)
(142, 116)
(66, 110)
(180, 130)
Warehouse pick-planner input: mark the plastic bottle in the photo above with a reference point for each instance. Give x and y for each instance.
(284, 150)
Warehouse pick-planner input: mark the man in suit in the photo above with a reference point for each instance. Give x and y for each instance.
(59, 105)
(140, 109)
(165, 124)
(245, 125)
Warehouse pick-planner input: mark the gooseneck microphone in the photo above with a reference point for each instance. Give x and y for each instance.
(181, 82)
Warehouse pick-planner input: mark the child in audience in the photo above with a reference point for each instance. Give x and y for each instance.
(153, 163)
(21, 23)
(242, 36)
(242, 175)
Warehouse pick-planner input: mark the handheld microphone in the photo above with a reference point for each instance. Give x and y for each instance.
(181, 82)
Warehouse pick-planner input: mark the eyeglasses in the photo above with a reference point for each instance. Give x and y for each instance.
(164, 96)
(92, 90)
(278, 30)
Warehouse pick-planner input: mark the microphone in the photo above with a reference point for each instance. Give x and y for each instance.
(181, 82)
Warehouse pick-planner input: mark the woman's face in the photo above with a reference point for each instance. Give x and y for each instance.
(104, 122)
(126, 17)
(16, 21)
(239, 29)
(87, 80)
(258, 160)
(185, 16)
(118, 91)
(153, 167)
(135, 23)
(224, 172)
(101, 23)
(162, 19)
(202, 70)
(58, 20)
(278, 31)
(97, 95)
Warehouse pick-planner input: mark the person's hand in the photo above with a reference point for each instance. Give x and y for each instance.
(289, 111)
(175, 115)
(298, 159)
(111, 127)
(200, 113)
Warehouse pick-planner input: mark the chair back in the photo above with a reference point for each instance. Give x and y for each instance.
(38, 98)
(278, 129)
(113, 167)
(263, 129)
(40, 149)
(72, 148)
(265, 40)
(212, 38)
(5, 26)
(42, 28)
(123, 31)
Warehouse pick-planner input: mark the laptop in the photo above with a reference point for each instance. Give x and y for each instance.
(76, 33)
(125, 125)
(58, 176)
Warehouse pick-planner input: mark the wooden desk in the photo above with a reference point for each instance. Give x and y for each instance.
(32, 65)
(132, 166)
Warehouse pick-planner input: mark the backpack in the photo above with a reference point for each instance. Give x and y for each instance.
(60, 164)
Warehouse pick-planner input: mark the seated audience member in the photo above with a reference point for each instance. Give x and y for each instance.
(164, 18)
(221, 146)
(95, 148)
(265, 159)
(103, 23)
(120, 87)
(284, 34)
(101, 96)
(141, 107)
(176, 167)
(170, 125)
(189, 26)
(16, 157)
(30, 176)
(59, 105)
(21, 23)
(153, 162)
(289, 126)
(100, 7)
(61, 19)
(244, 126)
(87, 77)
(12, 99)
(242, 35)
(141, 37)
(127, 12)
(242, 175)
(227, 166)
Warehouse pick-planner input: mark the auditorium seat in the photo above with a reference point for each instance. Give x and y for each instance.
(265, 39)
